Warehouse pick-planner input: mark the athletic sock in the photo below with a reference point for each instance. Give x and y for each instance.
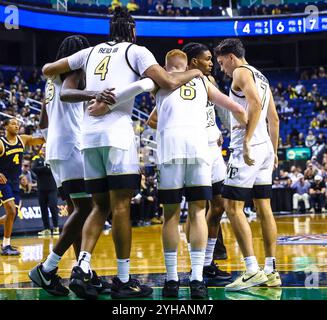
(270, 265)
(251, 264)
(197, 262)
(123, 270)
(171, 265)
(6, 242)
(84, 259)
(209, 251)
(51, 262)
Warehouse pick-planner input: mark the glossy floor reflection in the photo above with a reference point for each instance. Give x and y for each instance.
(303, 267)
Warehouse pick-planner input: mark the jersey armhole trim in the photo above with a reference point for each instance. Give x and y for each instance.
(244, 66)
(87, 60)
(3, 146)
(206, 87)
(127, 61)
(235, 94)
(21, 141)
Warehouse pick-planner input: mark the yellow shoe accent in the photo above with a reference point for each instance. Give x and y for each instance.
(44, 233)
(56, 231)
(273, 280)
(247, 280)
(255, 293)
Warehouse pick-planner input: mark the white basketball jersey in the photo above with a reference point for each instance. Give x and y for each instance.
(111, 65)
(212, 128)
(65, 120)
(261, 132)
(181, 129)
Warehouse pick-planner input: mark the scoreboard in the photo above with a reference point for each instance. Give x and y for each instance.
(185, 27)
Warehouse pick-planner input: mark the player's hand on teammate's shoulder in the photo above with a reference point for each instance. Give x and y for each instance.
(3, 179)
(246, 154)
(198, 73)
(107, 96)
(97, 109)
(220, 140)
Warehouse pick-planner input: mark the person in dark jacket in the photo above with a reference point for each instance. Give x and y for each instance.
(47, 193)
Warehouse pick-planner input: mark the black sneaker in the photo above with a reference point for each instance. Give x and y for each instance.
(220, 256)
(213, 272)
(80, 284)
(198, 290)
(9, 251)
(170, 289)
(49, 281)
(130, 289)
(101, 285)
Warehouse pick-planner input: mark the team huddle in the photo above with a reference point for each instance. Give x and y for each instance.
(91, 149)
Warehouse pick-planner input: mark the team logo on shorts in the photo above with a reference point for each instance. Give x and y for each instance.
(231, 171)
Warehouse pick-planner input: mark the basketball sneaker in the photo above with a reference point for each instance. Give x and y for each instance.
(247, 280)
(198, 289)
(273, 280)
(170, 289)
(44, 233)
(100, 284)
(49, 281)
(213, 272)
(9, 251)
(81, 284)
(130, 289)
(55, 231)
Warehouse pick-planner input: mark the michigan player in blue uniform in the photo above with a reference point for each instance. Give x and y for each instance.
(11, 154)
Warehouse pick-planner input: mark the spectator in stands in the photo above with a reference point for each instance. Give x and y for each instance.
(315, 92)
(114, 4)
(321, 73)
(301, 188)
(310, 172)
(299, 87)
(321, 140)
(24, 186)
(280, 88)
(305, 75)
(314, 124)
(294, 174)
(291, 93)
(170, 8)
(277, 184)
(160, 8)
(310, 140)
(276, 11)
(284, 179)
(26, 171)
(265, 11)
(285, 9)
(300, 140)
(317, 194)
(318, 106)
(132, 6)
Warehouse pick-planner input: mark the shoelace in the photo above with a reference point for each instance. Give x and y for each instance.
(133, 283)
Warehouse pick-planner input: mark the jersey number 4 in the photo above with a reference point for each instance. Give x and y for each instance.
(102, 68)
(16, 159)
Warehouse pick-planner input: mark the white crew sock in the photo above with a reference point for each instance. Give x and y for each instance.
(171, 265)
(5, 242)
(251, 264)
(123, 270)
(270, 265)
(84, 259)
(51, 262)
(197, 262)
(209, 251)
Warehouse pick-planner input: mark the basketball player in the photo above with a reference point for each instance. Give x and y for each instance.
(199, 57)
(250, 88)
(110, 160)
(185, 167)
(65, 159)
(11, 154)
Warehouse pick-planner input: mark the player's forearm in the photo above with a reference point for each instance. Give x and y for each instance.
(177, 79)
(132, 90)
(75, 95)
(55, 68)
(253, 119)
(43, 124)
